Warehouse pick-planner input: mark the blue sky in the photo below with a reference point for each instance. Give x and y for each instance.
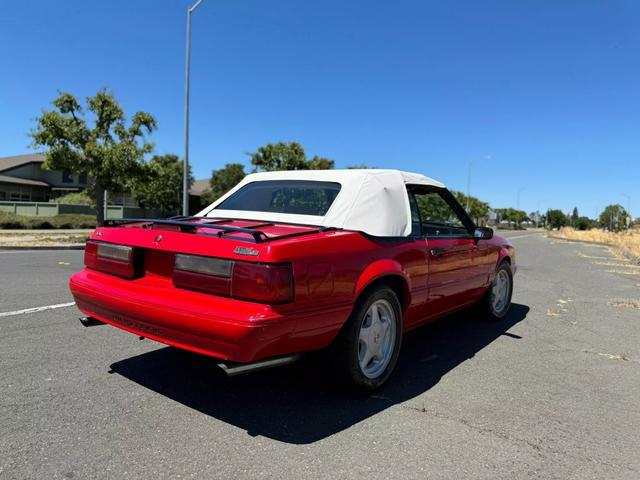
(543, 97)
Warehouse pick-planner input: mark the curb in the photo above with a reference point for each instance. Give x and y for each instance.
(43, 247)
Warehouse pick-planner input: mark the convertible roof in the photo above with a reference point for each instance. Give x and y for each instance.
(372, 201)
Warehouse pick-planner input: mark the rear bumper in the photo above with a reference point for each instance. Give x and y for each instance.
(224, 328)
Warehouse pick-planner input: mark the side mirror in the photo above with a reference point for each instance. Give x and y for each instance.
(483, 233)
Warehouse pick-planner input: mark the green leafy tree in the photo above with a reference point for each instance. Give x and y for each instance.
(614, 218)
(478, 209)
(583, 223)
(287, 156)
(513, 216)
(556, 219)
(360, 166)
(160, 185)
(320, 163)
(574, 217)
(106, 148)
(222, 181)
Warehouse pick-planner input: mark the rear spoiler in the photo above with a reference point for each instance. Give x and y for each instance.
(222, 230)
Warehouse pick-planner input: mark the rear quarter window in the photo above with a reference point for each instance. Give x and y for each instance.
(301, 197)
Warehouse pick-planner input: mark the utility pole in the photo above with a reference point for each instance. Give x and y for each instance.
(185, 174)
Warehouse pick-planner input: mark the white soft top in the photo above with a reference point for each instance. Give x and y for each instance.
(372, 201)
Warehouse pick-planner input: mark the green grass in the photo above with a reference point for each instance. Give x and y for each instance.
(19, 222)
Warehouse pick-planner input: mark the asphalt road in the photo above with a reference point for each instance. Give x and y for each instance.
(552, 391)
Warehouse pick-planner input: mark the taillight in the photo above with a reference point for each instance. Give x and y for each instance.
(210, 275)
(262, 282)
(118, 260)
(259, 282)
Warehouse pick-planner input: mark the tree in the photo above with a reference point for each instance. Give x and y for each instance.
(583, 223)
(574, 217)
(320, 163)
(109, 151)
(222, 181)
(287, 156)
(478, 209)
(614, 218)
(556, 219)
(159, 186)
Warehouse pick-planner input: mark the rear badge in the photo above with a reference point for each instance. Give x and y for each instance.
(246, 251)
(158, 239)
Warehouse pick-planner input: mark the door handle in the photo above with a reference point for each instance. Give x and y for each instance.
(437, 252)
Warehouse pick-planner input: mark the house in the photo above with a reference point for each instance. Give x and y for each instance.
(22, 179)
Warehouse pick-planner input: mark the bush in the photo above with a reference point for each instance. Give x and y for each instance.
(70, 221)
(75, 198)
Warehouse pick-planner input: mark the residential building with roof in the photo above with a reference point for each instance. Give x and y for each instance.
(22, 179)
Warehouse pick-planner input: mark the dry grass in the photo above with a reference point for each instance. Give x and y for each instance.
(625, 303)
(628, 240)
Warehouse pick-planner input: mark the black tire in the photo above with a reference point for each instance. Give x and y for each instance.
(487, 305)
(347, 347)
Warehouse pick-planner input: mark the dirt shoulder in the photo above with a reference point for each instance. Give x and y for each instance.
(625, 243)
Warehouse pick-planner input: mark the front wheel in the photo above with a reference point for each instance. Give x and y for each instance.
(368, 346)
(497, 300)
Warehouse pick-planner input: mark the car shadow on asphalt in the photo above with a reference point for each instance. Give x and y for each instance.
(302, 403)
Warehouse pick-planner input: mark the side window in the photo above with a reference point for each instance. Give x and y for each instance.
(436, 217)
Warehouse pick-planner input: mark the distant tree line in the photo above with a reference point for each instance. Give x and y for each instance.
(613, 218)
(99, 141)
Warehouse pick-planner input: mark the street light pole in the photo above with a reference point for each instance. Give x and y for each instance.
(518, 198)
(487, 157)
(185, 173)
(469, 185)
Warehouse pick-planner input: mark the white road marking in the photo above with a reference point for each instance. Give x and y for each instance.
(42, 250)
(522, 236)
(36, 309)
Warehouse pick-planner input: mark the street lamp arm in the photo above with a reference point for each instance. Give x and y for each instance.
(195, 5)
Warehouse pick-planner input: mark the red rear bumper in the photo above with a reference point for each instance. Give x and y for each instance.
(224, 328)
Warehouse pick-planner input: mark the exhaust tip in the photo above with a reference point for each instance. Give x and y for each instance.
(90, 322)
(232, 369)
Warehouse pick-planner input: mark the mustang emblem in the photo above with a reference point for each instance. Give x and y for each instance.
(158, 239)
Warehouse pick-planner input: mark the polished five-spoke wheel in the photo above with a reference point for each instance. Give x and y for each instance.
(498, 299)
(500, 291)
(377, 338)
(367, 348)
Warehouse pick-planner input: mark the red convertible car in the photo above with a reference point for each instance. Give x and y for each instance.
(296, 261)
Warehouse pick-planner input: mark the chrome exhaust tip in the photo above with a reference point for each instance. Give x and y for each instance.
(232, 369)
(90, 322)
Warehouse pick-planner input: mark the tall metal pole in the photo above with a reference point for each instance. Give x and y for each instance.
(628, 197)
(469, 185)
(185, 173)
(518, 198)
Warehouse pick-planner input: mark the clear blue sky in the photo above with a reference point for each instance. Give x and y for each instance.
(550, 90)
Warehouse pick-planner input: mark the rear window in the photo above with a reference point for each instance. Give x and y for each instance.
(302, 197)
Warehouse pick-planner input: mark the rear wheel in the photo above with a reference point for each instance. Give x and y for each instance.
(497, 301)
(368, 346)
